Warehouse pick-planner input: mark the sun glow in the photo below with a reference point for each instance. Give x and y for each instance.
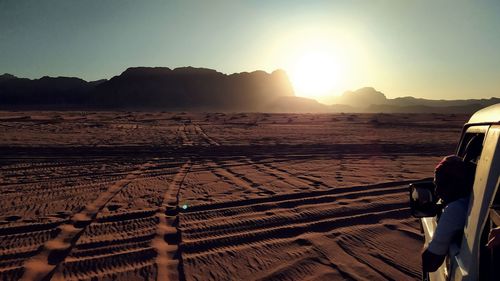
(315, 74)
(321, 61)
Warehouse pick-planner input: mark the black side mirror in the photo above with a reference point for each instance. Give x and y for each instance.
(423, 201)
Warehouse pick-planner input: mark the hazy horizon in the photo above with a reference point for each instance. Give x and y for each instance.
(425, 49)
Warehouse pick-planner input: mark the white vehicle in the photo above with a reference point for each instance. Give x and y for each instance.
(468, 258)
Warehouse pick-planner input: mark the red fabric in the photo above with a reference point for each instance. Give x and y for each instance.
(451, 166)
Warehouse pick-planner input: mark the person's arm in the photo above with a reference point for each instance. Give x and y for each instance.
(451, 222)
(430, 261)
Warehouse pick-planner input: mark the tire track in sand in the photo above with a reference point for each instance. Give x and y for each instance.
(189, 134)
(297, 181)
(168, 260)
(242, 180)
(204, 135)
(182, 136)
(280, 173)
(117, 245)
(43, 265)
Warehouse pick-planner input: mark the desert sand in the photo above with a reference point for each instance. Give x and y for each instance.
(214, 196)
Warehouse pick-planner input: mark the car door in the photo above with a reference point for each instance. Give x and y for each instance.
(469, 148)
(464, 260)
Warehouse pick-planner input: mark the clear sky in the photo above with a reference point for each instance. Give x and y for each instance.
(430, 49)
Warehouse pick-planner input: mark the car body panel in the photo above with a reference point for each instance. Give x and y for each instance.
(463, 260)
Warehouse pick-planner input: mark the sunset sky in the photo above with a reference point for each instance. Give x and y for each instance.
(427, 49)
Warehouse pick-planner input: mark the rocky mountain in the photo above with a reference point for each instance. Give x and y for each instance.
(6, 76)
(361, 98)
(46, 92)
(202, 89)
(144, 88)
(370, 100)
(189, 88)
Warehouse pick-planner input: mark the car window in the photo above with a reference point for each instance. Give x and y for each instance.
(471, 147)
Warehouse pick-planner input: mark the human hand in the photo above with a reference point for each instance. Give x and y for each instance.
(494, 238)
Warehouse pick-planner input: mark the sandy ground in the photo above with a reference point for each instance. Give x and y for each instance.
(212, 196)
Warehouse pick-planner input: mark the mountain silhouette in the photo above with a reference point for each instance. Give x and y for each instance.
(293, 104)
(370, 100)
(189, 88)
(46, 92)
(6, 76)
(359, 98)
(143, 88)
(203, 89)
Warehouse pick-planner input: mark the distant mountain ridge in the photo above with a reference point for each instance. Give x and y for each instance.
(370, 100)
(203, 89)
(149, 88)
(189, 88)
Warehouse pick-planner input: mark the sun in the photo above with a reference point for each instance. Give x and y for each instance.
(315, 74)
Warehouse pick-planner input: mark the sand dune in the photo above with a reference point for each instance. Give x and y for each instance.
(180, 196)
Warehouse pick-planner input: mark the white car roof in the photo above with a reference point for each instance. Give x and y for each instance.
(490, 114)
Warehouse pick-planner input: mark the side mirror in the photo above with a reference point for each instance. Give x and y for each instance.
(423, 201)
